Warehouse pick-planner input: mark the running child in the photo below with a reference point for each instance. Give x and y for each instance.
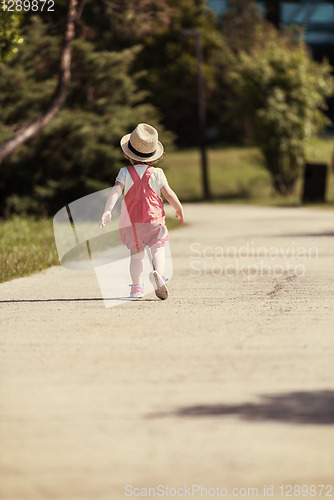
(142, 220)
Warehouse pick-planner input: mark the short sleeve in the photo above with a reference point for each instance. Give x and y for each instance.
(162, 178)
(121, 176)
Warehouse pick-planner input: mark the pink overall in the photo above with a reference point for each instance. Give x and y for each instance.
(142, 220)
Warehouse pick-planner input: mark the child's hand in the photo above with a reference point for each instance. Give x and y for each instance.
(105, 217)
(179, 213)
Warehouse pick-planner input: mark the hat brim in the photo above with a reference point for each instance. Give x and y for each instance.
(124, 145)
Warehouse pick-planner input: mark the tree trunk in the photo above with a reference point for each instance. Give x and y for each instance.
(282, 182)
(26, 133)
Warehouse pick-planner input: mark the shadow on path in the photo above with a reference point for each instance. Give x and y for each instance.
(301, 235)
(312, 407)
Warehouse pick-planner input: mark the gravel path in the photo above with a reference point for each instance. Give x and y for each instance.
(229, 383)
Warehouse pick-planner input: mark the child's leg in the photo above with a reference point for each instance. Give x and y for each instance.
(158, 258)
(136, 267)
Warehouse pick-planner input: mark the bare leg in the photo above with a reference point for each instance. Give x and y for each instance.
(158, 258)
(136, 267)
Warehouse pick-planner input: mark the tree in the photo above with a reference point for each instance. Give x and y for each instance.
(282, 94)
(167, 61)
(242, 25)
(131, 63)
(78, 151)
(29, 131)
(170, 60)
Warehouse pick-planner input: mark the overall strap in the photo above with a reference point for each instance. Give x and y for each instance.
(134, 176)
(149, 170)
(147, 174)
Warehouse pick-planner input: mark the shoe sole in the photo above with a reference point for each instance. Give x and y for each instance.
(160, 288)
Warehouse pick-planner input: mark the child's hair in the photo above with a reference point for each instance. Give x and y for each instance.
(137, 162)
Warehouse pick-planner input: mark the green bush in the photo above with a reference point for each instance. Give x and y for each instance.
(281, 94)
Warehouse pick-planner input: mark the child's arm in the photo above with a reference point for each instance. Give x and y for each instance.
(174, 201)
(114, 194)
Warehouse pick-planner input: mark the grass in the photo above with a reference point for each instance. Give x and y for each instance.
(27, 245)
(236, 175)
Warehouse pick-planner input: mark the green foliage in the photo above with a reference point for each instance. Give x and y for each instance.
(281, 93)
(242, 25)
(78, 152)
(167, 61)
(132, 63)
(170, 56)
(10, 37)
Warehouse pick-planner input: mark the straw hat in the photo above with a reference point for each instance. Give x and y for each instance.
(142, 144)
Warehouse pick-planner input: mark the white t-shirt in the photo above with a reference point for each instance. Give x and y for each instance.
(156, 181)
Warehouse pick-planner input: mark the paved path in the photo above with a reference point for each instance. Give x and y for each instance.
(228, 383)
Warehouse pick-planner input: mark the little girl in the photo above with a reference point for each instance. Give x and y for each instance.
(142, 220)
